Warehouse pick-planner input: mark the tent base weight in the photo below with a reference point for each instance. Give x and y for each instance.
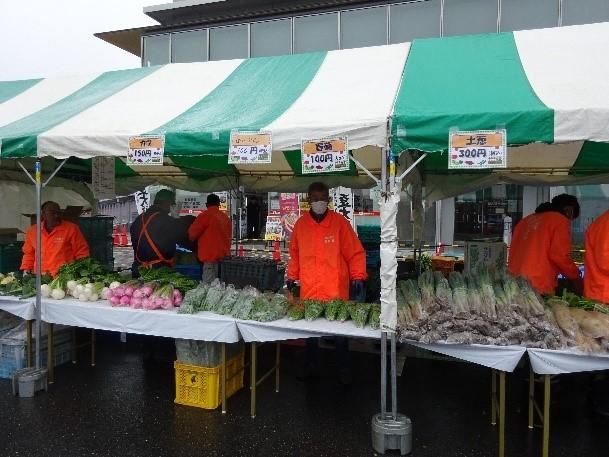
(391, 434)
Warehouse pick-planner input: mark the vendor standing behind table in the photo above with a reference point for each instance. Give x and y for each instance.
(62, 242)
(541, 245)
(329, 261)
(212, 231)
(154, 235)
(596, 260)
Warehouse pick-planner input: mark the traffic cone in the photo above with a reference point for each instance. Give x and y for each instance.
(276, 252)
(116, 236)
(240, 251)
(124, 239)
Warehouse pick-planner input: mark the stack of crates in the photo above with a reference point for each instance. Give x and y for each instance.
(10, 256)
(13, 349)
(97, 230)
(370, 236)
(263, 274)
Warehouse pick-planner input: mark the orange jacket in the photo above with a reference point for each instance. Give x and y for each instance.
(596, 279)
(64, 244)
(212, 230)
(541, 250)
(324, 256)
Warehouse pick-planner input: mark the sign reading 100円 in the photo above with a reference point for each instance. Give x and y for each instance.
(325, 156)
(477, 149)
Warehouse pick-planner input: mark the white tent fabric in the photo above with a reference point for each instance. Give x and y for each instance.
(546, 361)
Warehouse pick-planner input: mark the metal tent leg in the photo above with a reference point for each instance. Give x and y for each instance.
(546, 416)
(51, 355)
(29, 343)
(92, 347)
(224, 380)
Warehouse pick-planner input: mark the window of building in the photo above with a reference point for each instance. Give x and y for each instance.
(189, 46)
(156, 50)
(365, 27)
(228, 42)
(316, 33)
(271, 38)
(584, 11)
(525, 14)
(466, 17)
(414, 20)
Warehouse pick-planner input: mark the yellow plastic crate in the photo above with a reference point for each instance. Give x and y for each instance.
(201, 386)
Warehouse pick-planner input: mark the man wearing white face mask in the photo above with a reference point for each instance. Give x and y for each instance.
(328, 260)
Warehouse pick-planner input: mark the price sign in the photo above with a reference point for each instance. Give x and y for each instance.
(274, 228)
(477, 150)
(146, 150)
(325, 156)
(102, 177)
(250, 147)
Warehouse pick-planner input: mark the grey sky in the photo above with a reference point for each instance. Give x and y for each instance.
(45, 38)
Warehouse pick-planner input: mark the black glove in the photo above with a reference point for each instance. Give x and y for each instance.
(290, 284)
(358, 290)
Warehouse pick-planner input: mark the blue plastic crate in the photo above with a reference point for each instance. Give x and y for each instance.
(192, 271)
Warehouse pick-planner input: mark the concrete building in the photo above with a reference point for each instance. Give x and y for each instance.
(202, 30)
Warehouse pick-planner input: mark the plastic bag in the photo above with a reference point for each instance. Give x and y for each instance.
(296, 312)
(374, 319)
(204, 353)
(359, 313)
(313, 309)
(193, 300)
(332, 308)
(214, 296)
(228, 300)
(244, 303)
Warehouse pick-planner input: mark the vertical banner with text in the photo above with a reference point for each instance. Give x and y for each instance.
(102, 177)
(343, 203)
(289, 210)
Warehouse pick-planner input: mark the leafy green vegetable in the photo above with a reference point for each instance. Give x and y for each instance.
(359, 313)
(374, 320)
(343, 313)
(332, 308)
(313, 309)
(296, 313)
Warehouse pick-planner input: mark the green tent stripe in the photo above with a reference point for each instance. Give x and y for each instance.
(295, 161)
(469, 82)
(206, 165)
(19, 138)
(593, 159)
(10, 89)
(252, 97)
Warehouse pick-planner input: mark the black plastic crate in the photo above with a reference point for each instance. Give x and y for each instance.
(263, 274)
(10, 256)
(97, 230)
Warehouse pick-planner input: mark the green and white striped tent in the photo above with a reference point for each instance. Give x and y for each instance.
(548, 86)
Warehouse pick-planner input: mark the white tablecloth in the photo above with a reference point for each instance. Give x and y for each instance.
(547, 361)
(285, 329)
(502, 358)
(25, 309)
(101, 316)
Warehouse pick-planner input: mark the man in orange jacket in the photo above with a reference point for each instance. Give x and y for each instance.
(328, 260)
(62, 242)
(541, 246)
(212, 230)
(596, 279)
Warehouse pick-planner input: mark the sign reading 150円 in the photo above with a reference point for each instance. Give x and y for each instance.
(146, 150)
(250, 147)
(325, 156)
(477, 149)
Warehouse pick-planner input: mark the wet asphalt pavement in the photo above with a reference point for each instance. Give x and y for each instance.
(124, 407)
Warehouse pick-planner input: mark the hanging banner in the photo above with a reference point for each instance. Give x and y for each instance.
(146, 150)
(142, 201)
(250, 147)
(477, 149)
(274, 228)
(102, 177)
(223, 200)
(325, 156)
(289, 210)
(343, 203)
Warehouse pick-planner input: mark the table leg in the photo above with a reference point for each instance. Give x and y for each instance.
(50, 355)
(531, 397)
(277, 362)
(501, 413)
(223, 383)
(493, 397)
(73, 344)
(92, 347)
(253, 381)
(546, 416)
(29, 343)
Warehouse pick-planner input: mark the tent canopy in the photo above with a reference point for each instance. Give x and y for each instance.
(548, 86)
